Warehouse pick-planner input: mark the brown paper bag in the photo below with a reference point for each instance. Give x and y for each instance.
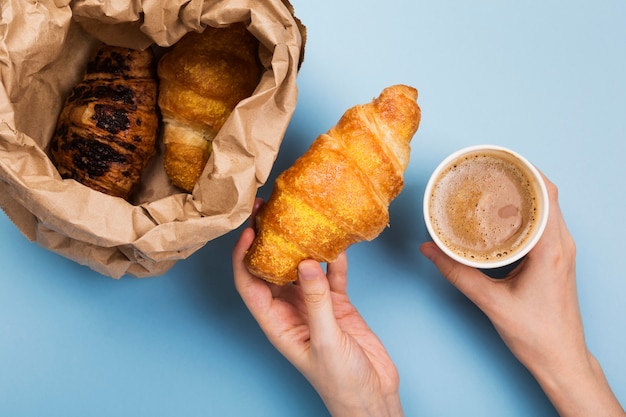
(43, 53)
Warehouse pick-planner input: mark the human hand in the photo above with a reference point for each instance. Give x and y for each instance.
(536, 312)
(316, 327)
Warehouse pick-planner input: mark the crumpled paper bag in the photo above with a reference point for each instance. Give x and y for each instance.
(44, 48)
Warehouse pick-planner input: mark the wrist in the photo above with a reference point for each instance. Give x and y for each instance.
(579, 388)
(374, 406)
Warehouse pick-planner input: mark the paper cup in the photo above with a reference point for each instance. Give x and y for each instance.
(486, 206)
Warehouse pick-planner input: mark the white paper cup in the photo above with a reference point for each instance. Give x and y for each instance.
(486, 206)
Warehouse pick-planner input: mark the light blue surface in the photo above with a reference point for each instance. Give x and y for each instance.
(544, 78)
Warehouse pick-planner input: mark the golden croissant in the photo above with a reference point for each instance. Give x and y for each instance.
(106, 131)
(202, 79)
(339, 191)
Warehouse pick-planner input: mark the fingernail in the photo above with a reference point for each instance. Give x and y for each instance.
(428, 251)
(307, 271)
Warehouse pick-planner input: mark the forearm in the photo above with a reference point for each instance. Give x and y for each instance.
(579, 390)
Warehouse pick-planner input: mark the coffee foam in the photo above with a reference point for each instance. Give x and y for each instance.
(483, 207)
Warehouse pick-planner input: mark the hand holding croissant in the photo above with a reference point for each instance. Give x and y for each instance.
(339, 191)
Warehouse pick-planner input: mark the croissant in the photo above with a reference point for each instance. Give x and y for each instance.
(202, 79)
(338, 192)
(106, 131)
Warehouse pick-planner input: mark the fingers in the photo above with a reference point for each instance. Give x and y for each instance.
(556, 245)
(316, 292)
(239, 253)
(475, 285)
(258, 203)
(337, 273)
(556, 232)
(254, 292)
(555, 216)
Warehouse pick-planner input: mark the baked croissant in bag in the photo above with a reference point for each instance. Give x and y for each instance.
(202, 79)
(338, 192)
(106, 132)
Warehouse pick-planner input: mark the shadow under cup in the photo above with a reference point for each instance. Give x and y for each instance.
(486, 207)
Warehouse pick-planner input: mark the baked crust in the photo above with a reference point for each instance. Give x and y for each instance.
(202, 79)
(338, 192)
(107, 129)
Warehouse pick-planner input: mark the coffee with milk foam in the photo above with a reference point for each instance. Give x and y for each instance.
(483, 206)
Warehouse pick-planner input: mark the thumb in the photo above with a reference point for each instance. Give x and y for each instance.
(319, 306)
(474, 284)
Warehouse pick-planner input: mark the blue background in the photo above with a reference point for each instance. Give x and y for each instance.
(545, 78)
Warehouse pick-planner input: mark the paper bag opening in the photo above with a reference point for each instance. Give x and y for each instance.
(145, 236)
